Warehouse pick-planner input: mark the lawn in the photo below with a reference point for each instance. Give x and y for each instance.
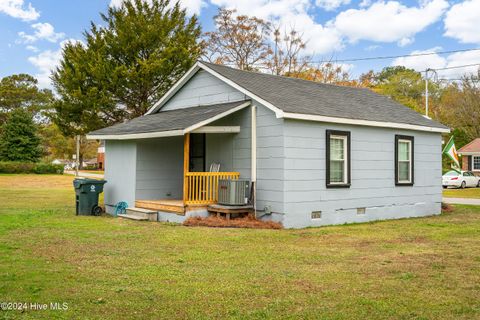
(462, 193)
(106, 268)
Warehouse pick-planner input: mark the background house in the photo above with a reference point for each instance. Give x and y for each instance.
(471, 156)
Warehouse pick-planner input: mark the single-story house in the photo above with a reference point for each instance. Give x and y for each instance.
(471, 156)
(319, 154)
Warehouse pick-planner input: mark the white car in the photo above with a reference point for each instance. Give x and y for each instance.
(460, 179)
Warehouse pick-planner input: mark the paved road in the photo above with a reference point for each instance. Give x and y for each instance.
(462, 201)
(86, 174)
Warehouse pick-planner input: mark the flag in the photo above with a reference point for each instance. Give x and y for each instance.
(451, 152)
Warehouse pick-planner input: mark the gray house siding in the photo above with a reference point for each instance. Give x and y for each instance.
(372, 176)
(270, 163)
(203, 89)
(120, 173)
(269, 154)
(159, 168)
(232, 150)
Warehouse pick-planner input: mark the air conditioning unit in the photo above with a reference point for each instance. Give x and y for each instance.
(233, 192)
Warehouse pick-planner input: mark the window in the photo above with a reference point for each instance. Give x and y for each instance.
(403, 160)
(476, 163)
(338, 159)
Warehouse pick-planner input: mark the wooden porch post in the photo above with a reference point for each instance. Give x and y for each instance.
(186, 165)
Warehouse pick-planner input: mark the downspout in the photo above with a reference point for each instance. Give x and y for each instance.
(254, 157)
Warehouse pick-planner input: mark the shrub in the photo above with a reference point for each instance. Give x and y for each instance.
(30, 167)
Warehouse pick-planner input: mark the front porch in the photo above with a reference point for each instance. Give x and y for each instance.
(202, 151)
(172, 161)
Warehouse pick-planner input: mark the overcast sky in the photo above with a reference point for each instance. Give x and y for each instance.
(32, 32)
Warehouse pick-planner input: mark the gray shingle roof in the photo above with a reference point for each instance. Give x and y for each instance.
(167, 120)
(313, 98)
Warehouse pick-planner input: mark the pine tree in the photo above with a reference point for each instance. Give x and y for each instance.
(19, 140)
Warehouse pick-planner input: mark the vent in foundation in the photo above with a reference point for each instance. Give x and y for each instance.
(361, 210)
(316, 214)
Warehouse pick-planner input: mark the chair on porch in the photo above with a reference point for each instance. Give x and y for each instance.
(214, 167)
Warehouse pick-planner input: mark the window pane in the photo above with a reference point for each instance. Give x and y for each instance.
(336, 149)
(337, 171)
(403, 150)
(476, 163)
(404, 171)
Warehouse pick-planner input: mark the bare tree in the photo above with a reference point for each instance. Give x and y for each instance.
(239, 41)
(328, 72)
(287, 58)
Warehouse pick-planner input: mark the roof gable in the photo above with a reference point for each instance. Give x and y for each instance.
(202, 89)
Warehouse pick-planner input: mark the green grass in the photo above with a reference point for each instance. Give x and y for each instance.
(107, 268)
(462, 193)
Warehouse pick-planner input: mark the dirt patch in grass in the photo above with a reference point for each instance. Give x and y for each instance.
(446, 207)
(216, 222)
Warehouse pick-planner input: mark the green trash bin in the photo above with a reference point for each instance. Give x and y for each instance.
(86, 194)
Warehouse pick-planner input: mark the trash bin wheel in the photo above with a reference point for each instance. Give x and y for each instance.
(97, 210)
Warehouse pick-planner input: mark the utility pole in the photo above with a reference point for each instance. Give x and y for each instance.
(78, 155)
(426, 90)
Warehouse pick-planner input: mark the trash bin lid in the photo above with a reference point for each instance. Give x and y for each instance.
(95, 181)
(77, 183)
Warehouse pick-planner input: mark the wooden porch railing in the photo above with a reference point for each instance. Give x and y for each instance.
(202, 187)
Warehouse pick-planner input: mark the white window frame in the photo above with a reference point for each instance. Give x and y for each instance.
(409, 161)
(345, 159)
(473, 163)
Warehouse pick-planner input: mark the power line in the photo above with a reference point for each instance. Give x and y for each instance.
(394, 57)
(456, 67)
(436, 69)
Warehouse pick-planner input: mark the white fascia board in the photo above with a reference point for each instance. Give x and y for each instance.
(217, 117)
(132, 136)
(217, 129)
(278, 112)
(177, 86)
(468, 153)
(370, 123)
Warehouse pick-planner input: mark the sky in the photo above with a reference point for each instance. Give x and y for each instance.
(34, 31)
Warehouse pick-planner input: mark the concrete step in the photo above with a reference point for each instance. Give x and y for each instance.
(147, 214)
(132, 217)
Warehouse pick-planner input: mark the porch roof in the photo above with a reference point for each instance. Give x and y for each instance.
(168, 123)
